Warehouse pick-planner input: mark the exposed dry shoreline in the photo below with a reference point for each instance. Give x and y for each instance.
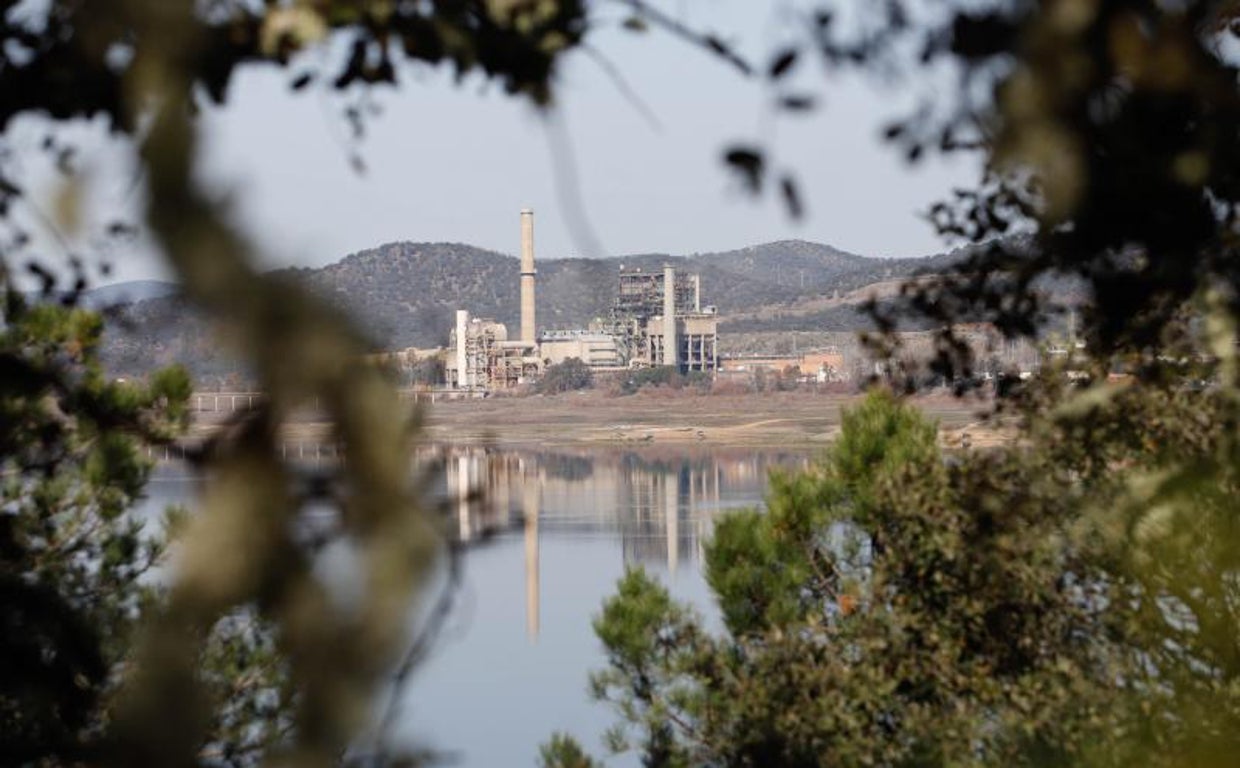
(776, 419)
(671, 418)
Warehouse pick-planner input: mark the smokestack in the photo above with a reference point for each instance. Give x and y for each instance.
(671, 345)
(527, 276)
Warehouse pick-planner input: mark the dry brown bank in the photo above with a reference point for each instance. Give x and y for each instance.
(679, 417)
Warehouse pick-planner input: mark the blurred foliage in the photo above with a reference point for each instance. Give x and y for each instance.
(1067, 599)
(68, 60)
(1070, 600)
(72, 59)
(1107, 134)
(247, 657)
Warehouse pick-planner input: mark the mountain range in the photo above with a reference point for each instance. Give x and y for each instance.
(405, 294)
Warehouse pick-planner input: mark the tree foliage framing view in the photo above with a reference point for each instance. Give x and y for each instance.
(144, 66)
(1070, 598)
(1032, 605)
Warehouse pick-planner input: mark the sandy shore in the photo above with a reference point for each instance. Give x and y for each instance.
(768, 419)
(662, 417)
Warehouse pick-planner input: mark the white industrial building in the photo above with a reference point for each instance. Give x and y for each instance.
(657, 319)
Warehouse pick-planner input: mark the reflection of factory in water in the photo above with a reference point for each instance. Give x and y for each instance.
(659, 508)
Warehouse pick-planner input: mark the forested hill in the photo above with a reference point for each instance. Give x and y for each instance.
(405, 294)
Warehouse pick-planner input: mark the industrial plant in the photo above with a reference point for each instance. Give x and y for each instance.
(658, 319)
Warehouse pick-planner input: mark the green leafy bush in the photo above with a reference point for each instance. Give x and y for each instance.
(667, 376)
(77, 563)
(568, 376)
(1038, 604)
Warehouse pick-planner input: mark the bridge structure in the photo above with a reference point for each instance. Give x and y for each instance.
(202, 403)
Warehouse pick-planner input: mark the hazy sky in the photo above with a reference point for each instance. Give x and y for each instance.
(449, 162)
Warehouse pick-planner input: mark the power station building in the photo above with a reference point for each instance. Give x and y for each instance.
(482, 356)
(657, 319)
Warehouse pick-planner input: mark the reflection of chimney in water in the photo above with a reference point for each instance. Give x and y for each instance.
(465, 527)
(671, 512)
(531, 503)
(498, 490)
(697, 516)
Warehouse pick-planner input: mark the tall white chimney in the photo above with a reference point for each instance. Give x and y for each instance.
(527, 276)
(671, 345)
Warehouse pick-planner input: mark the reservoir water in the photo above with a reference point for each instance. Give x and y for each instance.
(546, 534)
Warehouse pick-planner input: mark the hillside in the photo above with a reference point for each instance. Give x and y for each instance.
(405, 294)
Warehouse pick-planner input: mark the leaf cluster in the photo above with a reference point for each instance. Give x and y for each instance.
(568, 376)
(1066, 601)
(1107, 132)
(660, 376)
(77, 564)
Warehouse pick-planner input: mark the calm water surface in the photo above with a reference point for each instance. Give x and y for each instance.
(511, 665)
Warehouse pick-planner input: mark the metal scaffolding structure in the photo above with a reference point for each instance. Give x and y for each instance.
(653, 306)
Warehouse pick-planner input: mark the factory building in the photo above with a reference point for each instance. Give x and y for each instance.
(657, 319)
(595, 348)
(654, 307)
(483, 357)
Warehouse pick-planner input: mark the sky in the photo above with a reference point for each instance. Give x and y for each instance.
(456, 162)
